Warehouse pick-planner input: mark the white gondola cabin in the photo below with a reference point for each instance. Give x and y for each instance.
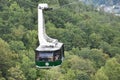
(50, 52)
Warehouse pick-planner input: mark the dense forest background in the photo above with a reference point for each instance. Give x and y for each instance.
(91, 38)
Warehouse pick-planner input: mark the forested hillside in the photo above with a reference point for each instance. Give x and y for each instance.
(91, 38)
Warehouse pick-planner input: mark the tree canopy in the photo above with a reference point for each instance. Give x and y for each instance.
(91, 39)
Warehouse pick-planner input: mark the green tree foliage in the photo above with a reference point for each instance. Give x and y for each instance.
(14, 73)
(6, 57)
(91, 39)
(27, 67)
(30, 39)
(95, 55)
(17, 45)
(1, 77)
(81, 71)
(110, 71)
(95, 40)
(63, 2)
(18, 32)
(100, 75)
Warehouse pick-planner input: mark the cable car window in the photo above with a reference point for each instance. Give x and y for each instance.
(57, 55)
(45, 56)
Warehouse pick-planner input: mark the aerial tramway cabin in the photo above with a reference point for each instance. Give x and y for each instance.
(50, 52)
